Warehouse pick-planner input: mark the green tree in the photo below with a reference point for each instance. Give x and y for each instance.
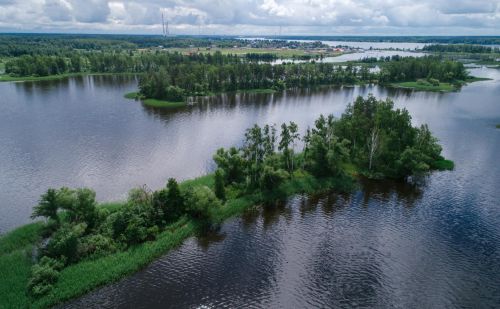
(220, 191)
(48, 206)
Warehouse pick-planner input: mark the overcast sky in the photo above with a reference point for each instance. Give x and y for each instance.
(255, 17)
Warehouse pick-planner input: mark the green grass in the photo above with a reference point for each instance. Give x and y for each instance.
(132, 95)
(20, 237)
(280, 53)
(15, 264)
(162, 104)
(444, 165)
(78, 279)
(154, 102)
(477, 79)
(15, 269)
(423, 86)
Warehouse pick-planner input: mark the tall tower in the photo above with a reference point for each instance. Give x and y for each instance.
(164, 30)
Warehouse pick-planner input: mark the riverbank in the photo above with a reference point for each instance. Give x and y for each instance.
(153, 102)
(135, 95)
(75, 280)
(420, 85)
(424, 85)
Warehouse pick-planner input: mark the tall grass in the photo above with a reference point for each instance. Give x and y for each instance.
(85, 276)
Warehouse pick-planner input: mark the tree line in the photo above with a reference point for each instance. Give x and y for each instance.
(173, 83)
(461, 48)
(14, 45)
(371, 135)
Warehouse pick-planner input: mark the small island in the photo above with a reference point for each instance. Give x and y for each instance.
(204, 77)
(154, 102)
(81, 245)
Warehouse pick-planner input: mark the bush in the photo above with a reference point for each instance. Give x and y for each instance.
(174, 93)
(64, 242)
(433, 81)
(94, 246)
(200, 202)
(220, 191)
(43, 276)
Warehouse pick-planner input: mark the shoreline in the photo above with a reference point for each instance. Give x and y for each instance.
(408, 85)
(17, 246)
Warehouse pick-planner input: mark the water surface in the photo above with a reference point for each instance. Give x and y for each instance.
(387, 244)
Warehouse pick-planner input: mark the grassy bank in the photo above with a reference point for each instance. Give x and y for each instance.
(424, 85)
(169, 104)
(153, 102)
(420, 86)
(78, 279)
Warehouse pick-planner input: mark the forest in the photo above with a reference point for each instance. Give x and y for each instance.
(371, 138)
(14, 45)
(175, 82)
(480, 40)
(461, 48)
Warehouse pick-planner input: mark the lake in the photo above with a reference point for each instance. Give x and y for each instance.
(384, 245)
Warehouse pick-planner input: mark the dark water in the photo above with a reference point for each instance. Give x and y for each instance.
(385, 245)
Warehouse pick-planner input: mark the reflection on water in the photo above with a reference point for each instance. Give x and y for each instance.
(81, 131)
(387, 244)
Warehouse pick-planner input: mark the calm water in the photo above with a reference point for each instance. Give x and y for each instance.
(384, 245)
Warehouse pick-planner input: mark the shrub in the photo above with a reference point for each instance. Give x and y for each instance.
(43, 276)
(200, 202)
(64, 242)
(96, 246)
(220, 191)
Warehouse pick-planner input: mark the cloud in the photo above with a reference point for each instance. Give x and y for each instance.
(254, 16)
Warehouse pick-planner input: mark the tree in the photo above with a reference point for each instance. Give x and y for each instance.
(48, 206)
(200, 203)
(175, 199)
(220, 191)
(373, 143)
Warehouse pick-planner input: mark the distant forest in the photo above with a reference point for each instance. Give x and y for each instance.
(482, 40)
(14, 45)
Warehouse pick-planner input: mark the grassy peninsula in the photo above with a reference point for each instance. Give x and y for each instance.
(154, 102)
(86, 245)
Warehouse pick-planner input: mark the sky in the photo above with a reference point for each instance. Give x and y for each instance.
(254, 17)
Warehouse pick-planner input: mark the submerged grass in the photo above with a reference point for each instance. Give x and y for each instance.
(442, 87)
(444, 165)
(83, 277)
(153, 102)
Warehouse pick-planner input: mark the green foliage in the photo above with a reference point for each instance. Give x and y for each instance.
(64, 242)
(48, 206)
(20, 237)
(443, 165)
(43, 276)
(201, 203)
(101, 244)
(219, 189)
(95, 246)
(434, 69)
(232, 163)
(383, 141)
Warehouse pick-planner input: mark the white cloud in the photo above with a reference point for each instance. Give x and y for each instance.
(255, 16)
